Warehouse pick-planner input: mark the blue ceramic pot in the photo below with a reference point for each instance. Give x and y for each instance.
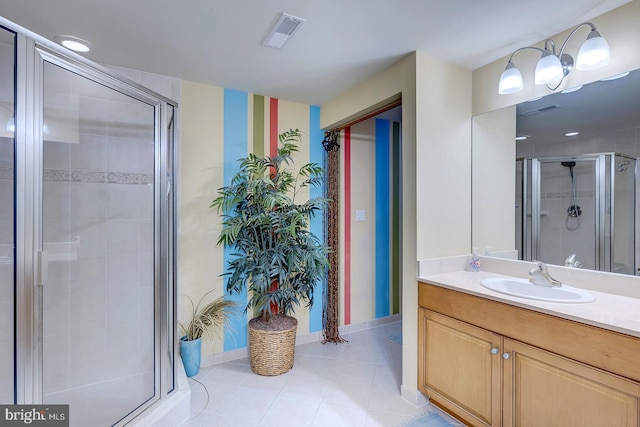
(190, 354)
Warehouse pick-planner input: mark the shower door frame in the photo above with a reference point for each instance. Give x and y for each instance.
(30, 260)
(531, 235)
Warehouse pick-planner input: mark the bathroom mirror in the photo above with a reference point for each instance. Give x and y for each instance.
(576, 198)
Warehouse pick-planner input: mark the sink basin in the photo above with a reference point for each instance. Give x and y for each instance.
(525, 289)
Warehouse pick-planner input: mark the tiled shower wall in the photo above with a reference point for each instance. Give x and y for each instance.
(98, 229)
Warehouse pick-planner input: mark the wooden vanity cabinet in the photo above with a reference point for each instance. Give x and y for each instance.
(461, 368)
(506, 378)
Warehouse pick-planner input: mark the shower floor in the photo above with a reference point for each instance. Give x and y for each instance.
(105, 403)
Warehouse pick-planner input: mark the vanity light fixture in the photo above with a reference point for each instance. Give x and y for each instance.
(572, 134)
(553, 67)
(74, 43)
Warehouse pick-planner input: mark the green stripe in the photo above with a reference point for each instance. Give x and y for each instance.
(258, 125)
(258, 138)
(396, 259)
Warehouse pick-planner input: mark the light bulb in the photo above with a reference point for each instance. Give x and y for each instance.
(594, 52)
(548, 69)
(510, 80)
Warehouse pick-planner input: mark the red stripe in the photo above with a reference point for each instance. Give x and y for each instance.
(347, 226)
(273, 126)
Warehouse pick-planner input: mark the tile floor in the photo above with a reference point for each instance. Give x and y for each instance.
(355, 384)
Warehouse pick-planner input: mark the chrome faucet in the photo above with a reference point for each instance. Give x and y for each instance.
(540, 276)
(571, 261)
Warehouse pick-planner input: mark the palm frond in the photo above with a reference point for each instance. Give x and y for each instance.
(210, 319)
(269, 232)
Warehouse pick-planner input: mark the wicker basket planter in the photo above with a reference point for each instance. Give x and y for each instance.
(271, 351)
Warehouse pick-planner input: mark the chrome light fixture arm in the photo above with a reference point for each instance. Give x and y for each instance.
(565, 59)
(564, 44)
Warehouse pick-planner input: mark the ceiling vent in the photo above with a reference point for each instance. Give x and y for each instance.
(285, 27)
(538, 110)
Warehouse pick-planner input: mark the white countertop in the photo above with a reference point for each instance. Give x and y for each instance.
(608, 311)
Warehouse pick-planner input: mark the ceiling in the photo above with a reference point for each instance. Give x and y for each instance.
(342, 43)
(596, 109)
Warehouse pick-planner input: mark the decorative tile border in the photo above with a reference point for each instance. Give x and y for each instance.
(566, 194)
(57, 175)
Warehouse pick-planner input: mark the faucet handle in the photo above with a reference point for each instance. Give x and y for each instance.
(540, 265)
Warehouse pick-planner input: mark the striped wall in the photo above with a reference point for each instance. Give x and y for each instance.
(219, 126)
(266, 118)
(371, 220)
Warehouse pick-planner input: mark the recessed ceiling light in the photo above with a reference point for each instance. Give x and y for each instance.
(74, 43)
(522, 137)
(615, 77)
(572, 133)
(573, 89)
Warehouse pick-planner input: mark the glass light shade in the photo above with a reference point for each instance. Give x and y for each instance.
(548, 69)
(593, 54)
(510, 80)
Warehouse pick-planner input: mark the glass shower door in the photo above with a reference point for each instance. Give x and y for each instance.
(7, 207)
(569, 212)
(98, 228)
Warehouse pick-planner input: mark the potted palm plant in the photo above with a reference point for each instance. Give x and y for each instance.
(276, 257)
(204, 320)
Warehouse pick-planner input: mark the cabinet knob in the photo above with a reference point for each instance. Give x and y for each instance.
(506, 356)
(494, 350)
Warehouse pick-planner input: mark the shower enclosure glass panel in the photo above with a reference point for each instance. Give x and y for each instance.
(580, 205)
(98, 333)
(7, 207)
(568, 212)
(624, 212)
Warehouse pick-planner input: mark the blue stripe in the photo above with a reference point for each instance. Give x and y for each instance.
(236, 128)
(316, 135)
(383, 203)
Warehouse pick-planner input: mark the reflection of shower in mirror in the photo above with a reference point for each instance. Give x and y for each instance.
(573, 211)
(622, 166)
(580, 204)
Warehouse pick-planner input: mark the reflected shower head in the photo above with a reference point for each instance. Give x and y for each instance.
(568, 164)
(622, 166)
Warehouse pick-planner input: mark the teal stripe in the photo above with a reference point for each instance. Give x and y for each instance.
(383, 202)
(316, 135)
(236, 126)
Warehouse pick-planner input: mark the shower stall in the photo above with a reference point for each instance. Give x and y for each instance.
(578, 211)
(87, 313)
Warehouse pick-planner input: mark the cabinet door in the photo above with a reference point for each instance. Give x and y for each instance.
(544, 389)
(460, 368)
